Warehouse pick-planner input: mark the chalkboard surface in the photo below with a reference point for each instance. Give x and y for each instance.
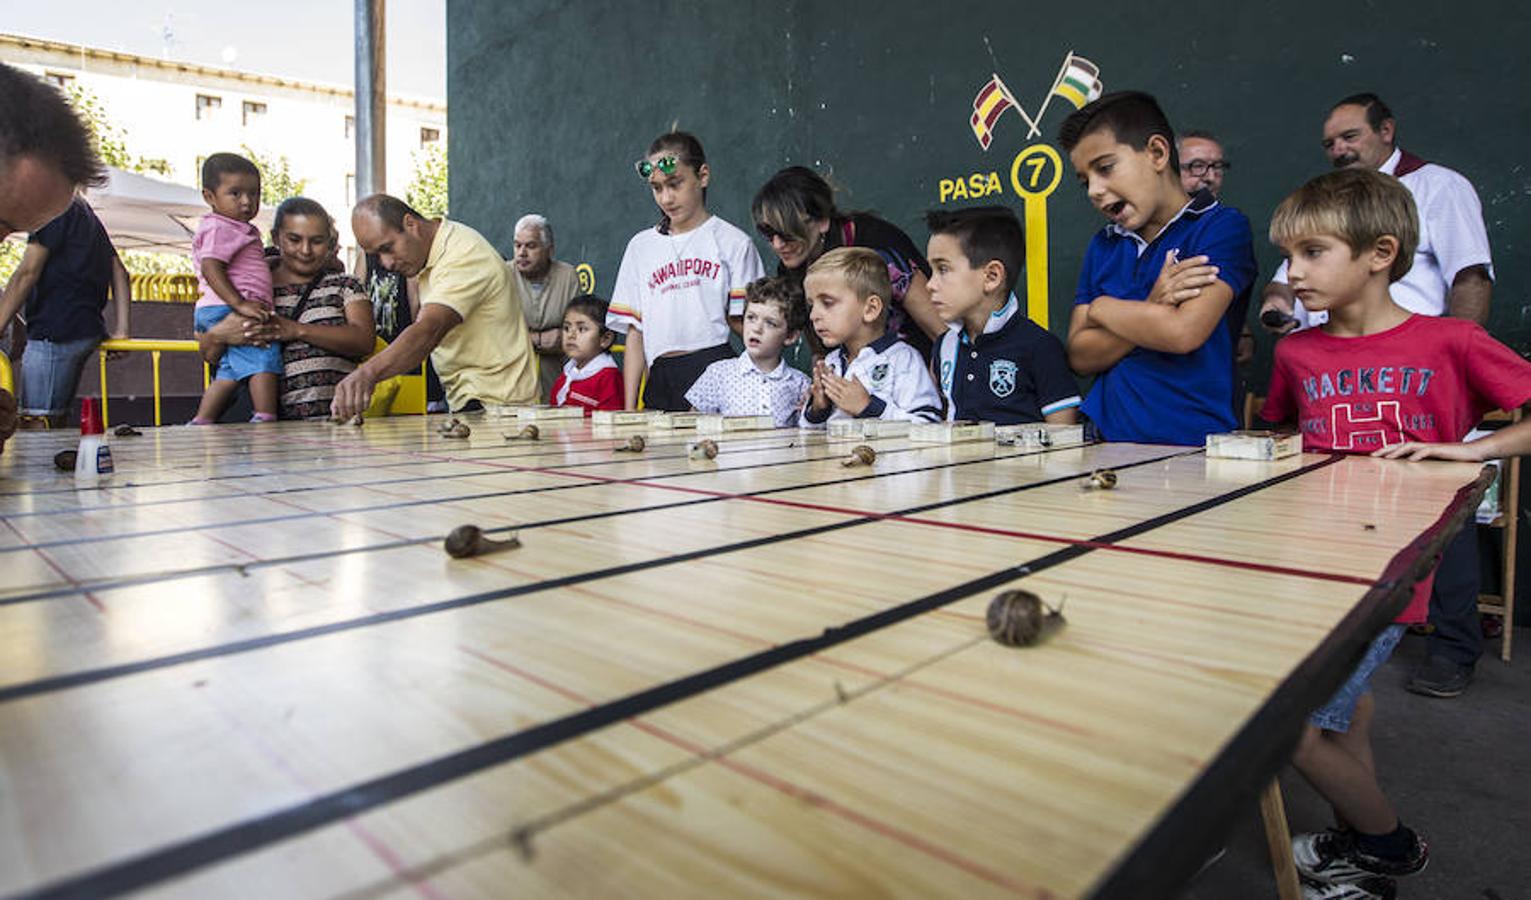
(552, 102)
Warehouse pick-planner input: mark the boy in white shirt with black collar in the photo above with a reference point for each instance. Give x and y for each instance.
(869, 373)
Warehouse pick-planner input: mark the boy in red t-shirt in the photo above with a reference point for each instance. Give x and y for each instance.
(1374, 379)
(590, 377)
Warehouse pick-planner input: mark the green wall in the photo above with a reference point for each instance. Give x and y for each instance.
(551, 103)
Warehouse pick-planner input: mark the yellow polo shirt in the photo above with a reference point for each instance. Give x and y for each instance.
(489, 356)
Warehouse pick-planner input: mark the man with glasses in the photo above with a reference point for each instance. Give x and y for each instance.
(1452, 275)
(1201, 163)
(1201, 169)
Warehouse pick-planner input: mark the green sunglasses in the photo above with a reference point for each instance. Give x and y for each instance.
(665, 164)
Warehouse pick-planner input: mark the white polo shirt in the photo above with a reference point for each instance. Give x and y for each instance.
(1451, 237)
(896, 377)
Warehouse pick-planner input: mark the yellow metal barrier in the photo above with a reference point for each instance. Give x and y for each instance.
(154, 349)
(165, 288)
(7, 379)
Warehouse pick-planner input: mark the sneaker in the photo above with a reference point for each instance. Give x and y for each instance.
(1440, 677)
(1376, 888)
(1332, 856)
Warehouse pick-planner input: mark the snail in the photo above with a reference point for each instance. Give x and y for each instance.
(1021, 619)
(355, 421)
(64, 460)
(126, 431)
(528, 433)
(1100, 480)
(456, 429)
(706, 448)
(469, 540)
(861, 455)
(635, 444)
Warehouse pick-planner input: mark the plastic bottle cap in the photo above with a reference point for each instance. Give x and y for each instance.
(90, 417)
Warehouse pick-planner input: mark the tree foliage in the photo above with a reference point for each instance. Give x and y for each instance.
(427, 191)
(110, 138)
(276, 180)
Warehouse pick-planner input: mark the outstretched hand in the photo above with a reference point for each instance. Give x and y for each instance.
(1416, 450)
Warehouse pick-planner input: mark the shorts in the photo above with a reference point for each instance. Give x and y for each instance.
(670, 377)
(242, 361)
(1335, 715)
(50, 374)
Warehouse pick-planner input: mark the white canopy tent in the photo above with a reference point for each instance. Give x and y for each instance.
(144, 213)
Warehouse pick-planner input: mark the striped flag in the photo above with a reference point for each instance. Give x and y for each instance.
(1079, 82)
(992, 101)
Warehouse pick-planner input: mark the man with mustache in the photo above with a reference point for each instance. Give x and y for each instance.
(1452, 275)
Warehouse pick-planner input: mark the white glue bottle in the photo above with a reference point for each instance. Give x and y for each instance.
(94, 458)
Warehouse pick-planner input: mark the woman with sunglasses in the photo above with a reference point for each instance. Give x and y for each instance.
(680, 287)
(795, 213)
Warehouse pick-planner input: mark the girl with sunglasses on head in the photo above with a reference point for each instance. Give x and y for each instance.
(680, 287)
(795, 213)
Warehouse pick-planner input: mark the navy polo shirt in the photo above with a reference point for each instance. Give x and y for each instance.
(71, 291)
(1016, 371)
(1170, 398)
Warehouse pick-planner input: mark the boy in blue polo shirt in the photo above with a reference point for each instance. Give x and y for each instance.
(1164, 287)
(993, 363)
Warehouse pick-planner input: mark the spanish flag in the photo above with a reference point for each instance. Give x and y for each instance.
(992, 101)
(1079, 82)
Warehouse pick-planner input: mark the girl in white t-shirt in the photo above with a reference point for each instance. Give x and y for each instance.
(681, 284)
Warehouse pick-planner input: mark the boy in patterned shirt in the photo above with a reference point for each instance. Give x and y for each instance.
(758, 382)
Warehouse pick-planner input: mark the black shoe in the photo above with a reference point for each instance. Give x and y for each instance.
(1440, 677)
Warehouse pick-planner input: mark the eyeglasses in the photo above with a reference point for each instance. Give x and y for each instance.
(665, 164)
(1200, 167)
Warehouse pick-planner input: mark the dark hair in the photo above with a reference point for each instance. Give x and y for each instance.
(300, 206)
(784, 292)
(221, 164)
(36, 120)
(1377, 112)
(1132, 116)
(984, 233)
(590, 306)
(390, 210)
(688, 150)
(1200, 135)
(791, 199)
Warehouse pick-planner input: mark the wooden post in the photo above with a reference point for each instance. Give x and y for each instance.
(1279, 839)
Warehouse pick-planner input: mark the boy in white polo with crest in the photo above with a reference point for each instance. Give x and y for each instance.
(869, 373)
(993, 364)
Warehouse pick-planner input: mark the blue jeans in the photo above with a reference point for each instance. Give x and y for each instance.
(50, 374)
(1335, 715)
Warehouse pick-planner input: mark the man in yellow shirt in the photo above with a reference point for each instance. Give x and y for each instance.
(470, 321)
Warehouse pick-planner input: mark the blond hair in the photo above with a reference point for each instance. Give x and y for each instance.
(1358, 206)
(863, 270)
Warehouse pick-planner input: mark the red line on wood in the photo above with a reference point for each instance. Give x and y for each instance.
(791, 789)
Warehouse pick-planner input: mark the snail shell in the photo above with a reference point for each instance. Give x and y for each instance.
(127, 431)
(456, 429)
(469, 540)
(862, 455)
(635, 444)
(528, 433)
(64, 460)
(1101, 480)
(1020, 618)
(706, 448)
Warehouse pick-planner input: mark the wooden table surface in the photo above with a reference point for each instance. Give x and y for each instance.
(246, 668)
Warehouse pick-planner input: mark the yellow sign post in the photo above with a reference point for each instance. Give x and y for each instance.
(1035, 174)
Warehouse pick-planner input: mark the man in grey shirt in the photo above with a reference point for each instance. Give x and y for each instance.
(546, 286)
